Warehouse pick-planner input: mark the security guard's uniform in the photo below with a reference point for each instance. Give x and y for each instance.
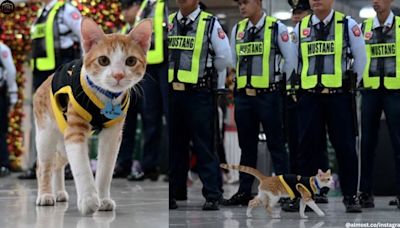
(381, 92)
(155, 87)
(197, 45)
(326, 99)
(70, 85)
(256, 49)
(55, 39)
(8, 95)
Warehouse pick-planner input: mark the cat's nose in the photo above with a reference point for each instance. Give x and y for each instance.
(118, 76)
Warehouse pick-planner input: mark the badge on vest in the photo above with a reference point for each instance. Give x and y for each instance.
(368, 35)
(170, 27)
(240, 36)
(306, 32)
(110, 111)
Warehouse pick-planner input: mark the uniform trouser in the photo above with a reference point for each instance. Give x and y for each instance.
(373, 103)
(126, 150)
(155, 105)
(4, 156)
(316, 113)
(191, 119)
(249, 113)
(292, 130)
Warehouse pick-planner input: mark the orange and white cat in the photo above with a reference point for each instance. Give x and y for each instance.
(271, 189)
(112, 64)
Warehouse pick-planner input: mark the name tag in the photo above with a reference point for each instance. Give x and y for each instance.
(321, 48)
(181, 42)
(383, 50)
(38, 31)
(252, 48)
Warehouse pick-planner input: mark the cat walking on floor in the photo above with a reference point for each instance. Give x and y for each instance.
(90, 94)
(271, 189)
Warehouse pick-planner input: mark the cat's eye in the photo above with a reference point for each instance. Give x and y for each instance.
(131, 61)
(104, 60)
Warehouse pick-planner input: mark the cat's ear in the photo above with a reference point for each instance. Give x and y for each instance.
(91, 33)
(320, 172)
(328, 172)
(142, 34)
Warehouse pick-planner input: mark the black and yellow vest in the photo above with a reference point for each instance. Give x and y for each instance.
(70, 85)
(292, 181)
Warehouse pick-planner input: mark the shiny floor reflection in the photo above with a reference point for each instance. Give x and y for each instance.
(189, 214)
(141, 204)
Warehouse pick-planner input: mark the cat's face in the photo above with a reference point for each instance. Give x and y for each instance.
(115, 62)
(325, 179)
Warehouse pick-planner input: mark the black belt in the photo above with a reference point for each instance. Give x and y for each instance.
(203, 84)
(327, 91)
(273, 87)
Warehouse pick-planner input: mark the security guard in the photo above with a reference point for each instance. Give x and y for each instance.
(123, 166)
(55, 40)
(257, 44)
(300, 9)
(198, 47)
(155, 89)
(326, 41)
(381, 93)
(8, 96)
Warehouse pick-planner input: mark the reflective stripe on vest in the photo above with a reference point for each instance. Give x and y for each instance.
(189, 43)
(325, 48)
(382, 50)
(45, 31)
(156, 55)
(256, 48)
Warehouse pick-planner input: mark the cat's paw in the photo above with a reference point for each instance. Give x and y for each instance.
(322, 214)
(249, 215)
(45, 200)
(89, 204)
(107, 204)
(304, 216)
(62, 196)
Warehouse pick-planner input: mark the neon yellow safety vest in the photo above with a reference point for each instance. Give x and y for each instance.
(194, 44)
(392, 50)
(310, 49)
(257, 48)
(156, 55)
(45, 31)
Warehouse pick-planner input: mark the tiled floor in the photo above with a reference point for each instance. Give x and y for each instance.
(189, 214)
(139, 204)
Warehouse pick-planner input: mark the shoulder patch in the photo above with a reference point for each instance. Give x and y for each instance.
(75, 15)
(221, 33)
(285, 36)
(356, 30)
(4, 54)
(306, 32)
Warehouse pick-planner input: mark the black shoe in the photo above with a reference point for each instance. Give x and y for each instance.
(140, 176)
(172, 204)
(29, 174)
(320, 198)
(352, 204)
(4, 171)
(395, 202)
(238, 199)
(366, 200)
(121, 172)
(293, 206)
(68, 173)
(181, 195)
(211, 205)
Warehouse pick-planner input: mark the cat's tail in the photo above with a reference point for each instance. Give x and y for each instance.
(244, 169)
